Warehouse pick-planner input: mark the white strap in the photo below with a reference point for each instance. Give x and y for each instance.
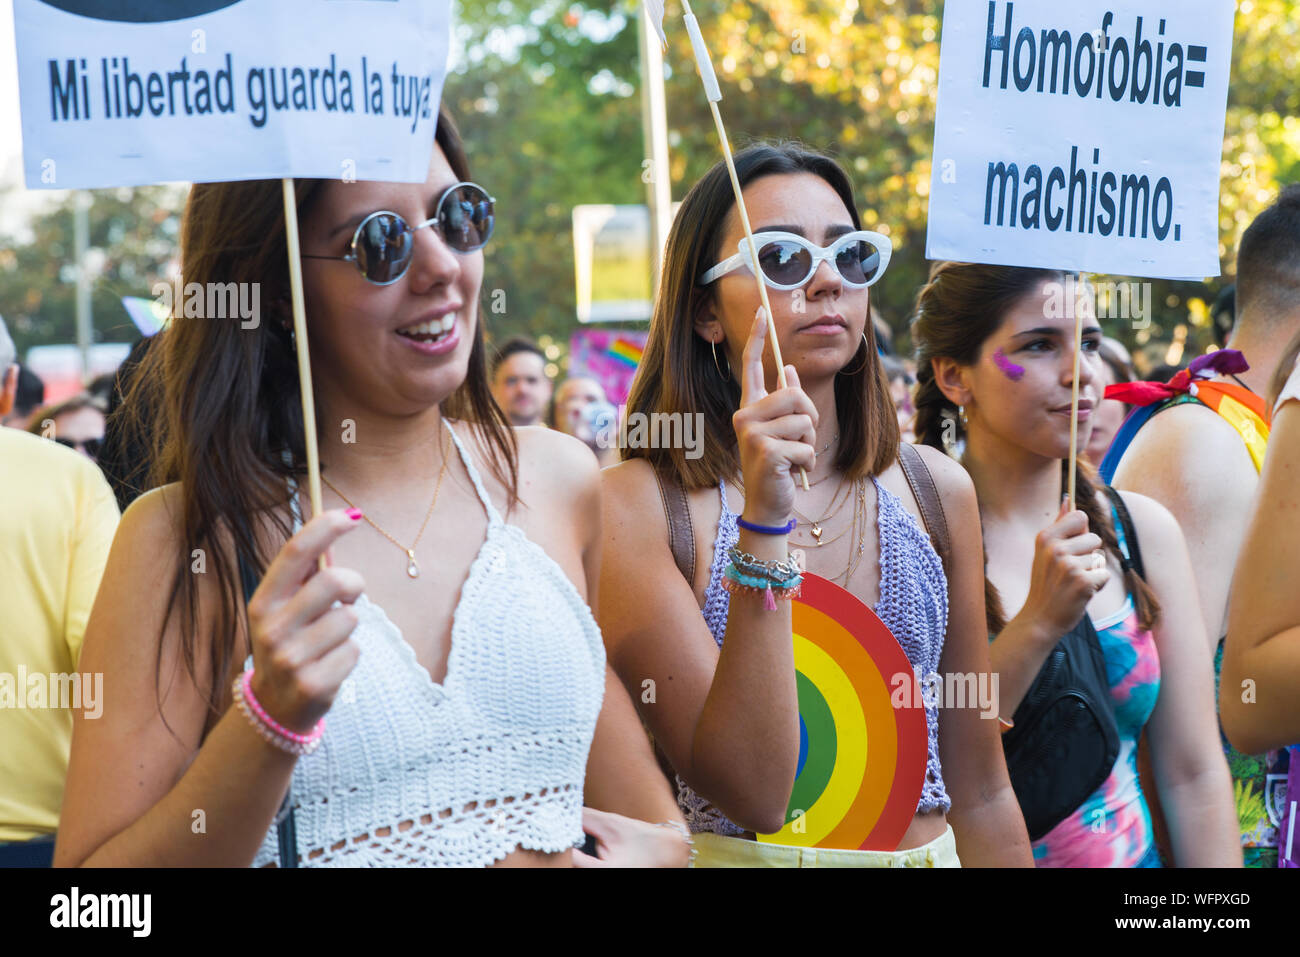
(494, 517)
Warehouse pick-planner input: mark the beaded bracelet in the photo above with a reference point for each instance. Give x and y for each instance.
(681, 829)
(758, 581)
(271, 730)
(738, 583)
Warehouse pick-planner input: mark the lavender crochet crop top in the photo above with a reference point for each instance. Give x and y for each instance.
(913, 605)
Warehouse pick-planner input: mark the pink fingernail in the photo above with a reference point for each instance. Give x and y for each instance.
(354, 514)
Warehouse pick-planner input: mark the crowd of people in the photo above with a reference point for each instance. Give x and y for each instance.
(491, 646)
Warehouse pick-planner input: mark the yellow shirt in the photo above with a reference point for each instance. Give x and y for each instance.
(57, 520)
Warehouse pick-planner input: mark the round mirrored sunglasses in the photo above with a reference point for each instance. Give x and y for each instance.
(384, 242)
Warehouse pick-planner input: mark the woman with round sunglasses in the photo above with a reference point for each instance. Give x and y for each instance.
(438, 694)
(711, 634)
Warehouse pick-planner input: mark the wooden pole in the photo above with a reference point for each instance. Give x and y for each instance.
(304, 354)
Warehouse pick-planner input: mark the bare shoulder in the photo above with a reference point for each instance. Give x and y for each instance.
(952, 482)
(555, 463)
(949, 477)
(631, 489)
(1191, 452)
(151, 525)
(1155, 524)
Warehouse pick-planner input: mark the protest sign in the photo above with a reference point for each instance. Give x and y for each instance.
(1082, 136)
(613, 262)
(145, 91)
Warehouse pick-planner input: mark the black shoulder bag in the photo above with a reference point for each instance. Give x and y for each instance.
(1065, 740)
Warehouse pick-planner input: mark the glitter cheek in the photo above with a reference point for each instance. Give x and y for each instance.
(1009, 369)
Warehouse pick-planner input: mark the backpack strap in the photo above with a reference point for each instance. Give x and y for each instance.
(927, 497)
(286, 829)
(681, 533)
(1130, 552)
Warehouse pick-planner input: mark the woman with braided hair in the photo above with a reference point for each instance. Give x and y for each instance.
(995, 376)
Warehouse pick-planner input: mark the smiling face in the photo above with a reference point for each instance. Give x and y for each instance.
(1018, 389)
(819, 325)
(399, 348)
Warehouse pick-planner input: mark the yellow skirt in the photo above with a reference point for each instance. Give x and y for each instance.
(718, 851)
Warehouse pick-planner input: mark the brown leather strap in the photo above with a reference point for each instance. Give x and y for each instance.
(681, 534)
(927, 497)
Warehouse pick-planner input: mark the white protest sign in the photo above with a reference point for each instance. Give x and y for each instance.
(130, 92)
(1083, 136)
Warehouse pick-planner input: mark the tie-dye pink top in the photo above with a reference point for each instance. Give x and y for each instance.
(1113, 827)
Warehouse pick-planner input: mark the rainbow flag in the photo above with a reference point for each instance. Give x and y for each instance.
(628, 353)
(1237, 405)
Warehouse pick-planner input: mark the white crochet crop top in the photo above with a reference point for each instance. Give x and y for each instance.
(459, 773)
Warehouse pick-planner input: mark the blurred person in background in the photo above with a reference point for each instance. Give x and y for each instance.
(57, 524)
(101, 387)
(900, 388)
(124, 457)
(77, 423)
(29, 395)
(1108, 416)
(519, 382)
(583, 411)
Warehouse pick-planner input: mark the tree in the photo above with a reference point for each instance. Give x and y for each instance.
(132, 240)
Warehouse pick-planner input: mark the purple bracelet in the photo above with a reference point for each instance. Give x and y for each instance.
(767, 529)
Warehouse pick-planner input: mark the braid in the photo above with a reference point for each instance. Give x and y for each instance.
(931, 404)
(1099, 521)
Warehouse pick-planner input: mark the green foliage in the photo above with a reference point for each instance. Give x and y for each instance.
(133, 235)
(548, 98)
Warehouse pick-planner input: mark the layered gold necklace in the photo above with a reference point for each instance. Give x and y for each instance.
(857, 526)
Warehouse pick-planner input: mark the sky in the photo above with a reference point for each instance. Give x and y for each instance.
(17, 206)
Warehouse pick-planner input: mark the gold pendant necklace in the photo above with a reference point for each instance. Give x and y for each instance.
(815, 525)
(412, 567)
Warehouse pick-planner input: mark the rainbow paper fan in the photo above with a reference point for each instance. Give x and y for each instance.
(861, 760)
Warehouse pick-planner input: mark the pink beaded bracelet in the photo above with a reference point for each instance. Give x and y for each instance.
(268, 727)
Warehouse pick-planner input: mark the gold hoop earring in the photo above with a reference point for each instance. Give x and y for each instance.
(713, 346)
(866, 357)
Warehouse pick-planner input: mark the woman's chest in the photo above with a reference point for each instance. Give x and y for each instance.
(1010, 569)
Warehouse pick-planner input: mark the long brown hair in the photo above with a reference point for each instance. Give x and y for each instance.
(217, 405)
(956, 311)
(677, 372)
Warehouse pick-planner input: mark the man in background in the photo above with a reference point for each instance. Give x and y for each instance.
(29, 395)
(519, 382)
(57, 524)
(1199, 453)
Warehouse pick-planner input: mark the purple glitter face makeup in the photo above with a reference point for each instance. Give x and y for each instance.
(1009, 369)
